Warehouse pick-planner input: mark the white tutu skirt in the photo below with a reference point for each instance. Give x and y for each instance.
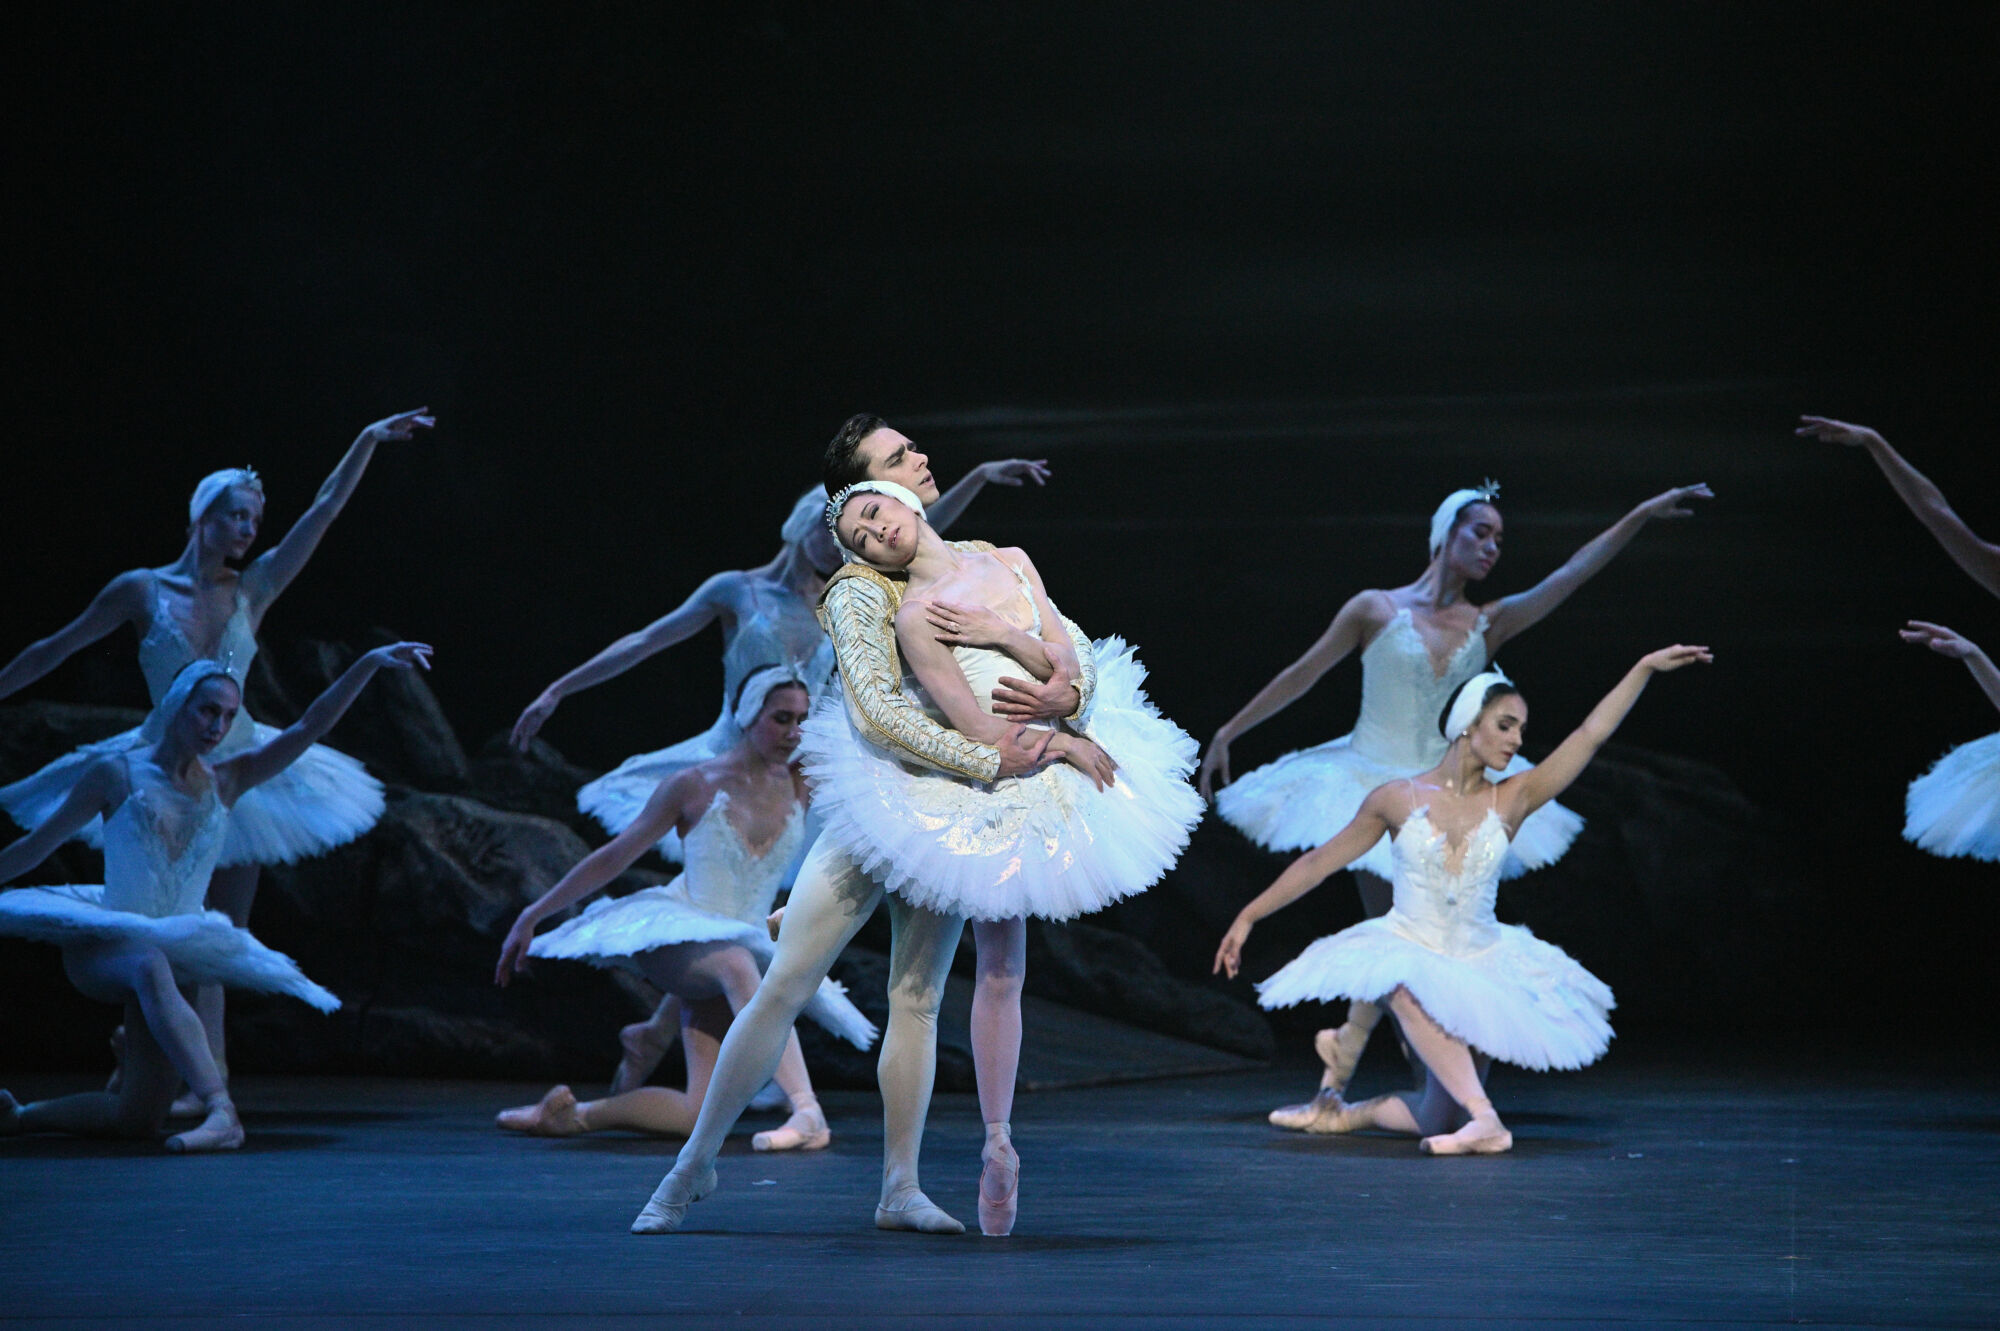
(1050, 844)
(203, 948)
(1301, 800)
(324, 799)
(615, 931)
(1954, 809)
(617, 798)
(1519, 1000)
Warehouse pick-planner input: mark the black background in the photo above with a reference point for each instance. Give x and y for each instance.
(1264, 283)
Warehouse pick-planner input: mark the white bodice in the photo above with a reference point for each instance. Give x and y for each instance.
(160, 846)
(984, 667)
(165, 651)
(781, 630)
(1445, 893)
(724, 877)
(1402, 696)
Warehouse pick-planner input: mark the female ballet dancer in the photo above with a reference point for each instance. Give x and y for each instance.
(701, 938)
(766, 615)
(1418, 644)
(1954, 808)
(143, 934)
(1058, 841)
(1464, 987)
(198, 607)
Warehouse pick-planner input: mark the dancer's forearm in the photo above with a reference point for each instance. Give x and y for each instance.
(1983, 670)
(1980, 559)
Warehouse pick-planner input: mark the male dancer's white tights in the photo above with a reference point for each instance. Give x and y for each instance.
(830, 902)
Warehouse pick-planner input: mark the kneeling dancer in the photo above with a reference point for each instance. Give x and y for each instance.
(1465, 987)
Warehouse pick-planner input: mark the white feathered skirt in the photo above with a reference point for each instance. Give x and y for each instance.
(1048, 844)
(618, 930)
(1954, 809)
(203, 947)
(1516, 998)
(1301, 800)
(324, 799)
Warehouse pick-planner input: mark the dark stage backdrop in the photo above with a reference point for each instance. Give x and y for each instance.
(1263, 283)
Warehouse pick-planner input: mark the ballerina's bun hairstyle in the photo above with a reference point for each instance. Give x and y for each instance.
(841, 468)
(757, 688)
(1472, 700)
(217, 484)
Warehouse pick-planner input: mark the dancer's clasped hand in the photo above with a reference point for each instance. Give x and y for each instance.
(961, 625)
(1035, 700)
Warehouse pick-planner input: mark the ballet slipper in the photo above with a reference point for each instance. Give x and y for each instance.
(187, 1105)
(669, 1203)
(999, 1182)
(1340, 1049)
(907, 1209)
(554, 1115)
(1306, 1117)
(221, 1130)
(10, 1115)
(805, 1130)
(642, 1051)
(1484, 1135)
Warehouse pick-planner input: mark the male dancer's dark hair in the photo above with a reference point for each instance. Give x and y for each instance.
(841, 467)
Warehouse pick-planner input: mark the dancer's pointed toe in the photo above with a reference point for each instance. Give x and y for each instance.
(668, 1206)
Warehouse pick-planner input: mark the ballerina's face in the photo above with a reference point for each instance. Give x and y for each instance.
(1473, 547)
(208, 713)
(882, 530)
(231, 523)
(775, 733)
(888, 455)
(1496, 736)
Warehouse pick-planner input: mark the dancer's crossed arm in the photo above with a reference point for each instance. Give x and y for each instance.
(1979, 558)
(1947, 643)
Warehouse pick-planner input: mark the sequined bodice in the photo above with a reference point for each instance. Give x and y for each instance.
(782, 630)
(1445, 893)
(1402, 695)
(165, 650)
(160, 846)
(724, 876)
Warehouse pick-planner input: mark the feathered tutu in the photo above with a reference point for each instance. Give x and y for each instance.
(614, 931)
(1048, 844)
(1954, 809)
(1301, 800)
(324, 799)
(203, 947)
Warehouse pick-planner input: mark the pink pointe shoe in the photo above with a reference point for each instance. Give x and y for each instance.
(999, 1185)
(1484, 1135)
(805, 1130)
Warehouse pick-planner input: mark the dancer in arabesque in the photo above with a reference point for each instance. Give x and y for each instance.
(1417, 645)
(1464, 987)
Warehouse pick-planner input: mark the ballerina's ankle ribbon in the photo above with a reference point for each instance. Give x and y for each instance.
(216, 484)
(1447, 512)
(894, 491)
(1471, 700)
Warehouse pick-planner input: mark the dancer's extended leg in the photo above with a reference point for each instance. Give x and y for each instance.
(1002, 947)
(643, 1044)
(1451, 1063)
(919, 959)
(661, 1110)
(829, 904)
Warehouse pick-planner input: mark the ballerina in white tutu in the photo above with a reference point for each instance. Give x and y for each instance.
(701, 938)
(1954, 808)
(1417, 644)
(1464, 987)
(949, 821)
(766, 615)
(143, 934)
(197, 608)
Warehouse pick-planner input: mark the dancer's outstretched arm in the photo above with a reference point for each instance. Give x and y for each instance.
(98, 790)
(271, 572)
(1511, 616)
(1945, 642)
(1979, 558)
(1346, 633)
(1308, 871)
(255, 766)
(709, 603)
(670, 799)
(1011, 471)
(1521, 795)
(124, 600)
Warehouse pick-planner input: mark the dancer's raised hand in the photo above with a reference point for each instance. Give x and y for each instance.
(401, 656)
(1945, 642)
(402, 425)
(533, 718)
(1673, 658)
(1229, 954)
(1214, 763)
(1832, 431)
(1014, 471)
(1673, 503)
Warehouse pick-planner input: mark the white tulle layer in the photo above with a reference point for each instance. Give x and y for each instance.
(617, 798)
(203, 948)
(1520, 1000)
(1050, 844)
(1954, 809)
(323, 800)
(616, 931)
(1302, 799)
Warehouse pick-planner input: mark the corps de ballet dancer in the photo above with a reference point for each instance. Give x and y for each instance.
(200, 608)
(997, 819)
(1954, 808)
(701, 938)
(1418, 644)
(142, 935)
(767, 615)
(1465, 988)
